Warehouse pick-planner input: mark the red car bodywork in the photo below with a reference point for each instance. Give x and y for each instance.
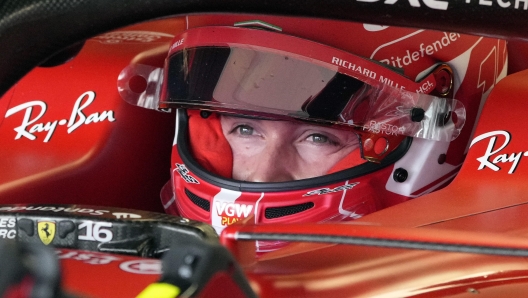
(87, 143)
(481, 199)
(82, 144)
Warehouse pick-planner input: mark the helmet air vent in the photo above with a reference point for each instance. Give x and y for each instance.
(276, 212)
(200, 202)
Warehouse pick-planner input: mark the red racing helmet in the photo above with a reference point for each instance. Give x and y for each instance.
(410, 97)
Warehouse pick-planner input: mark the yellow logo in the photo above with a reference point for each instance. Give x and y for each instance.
(46, 231)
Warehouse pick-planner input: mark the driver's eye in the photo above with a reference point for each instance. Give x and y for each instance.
(319, 138)
(245, 130)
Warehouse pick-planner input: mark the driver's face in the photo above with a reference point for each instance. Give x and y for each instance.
(275, 151)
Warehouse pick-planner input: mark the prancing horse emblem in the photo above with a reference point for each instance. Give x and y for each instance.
(46, 231)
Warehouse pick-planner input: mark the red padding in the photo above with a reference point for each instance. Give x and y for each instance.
(208, 144)
(351, 160)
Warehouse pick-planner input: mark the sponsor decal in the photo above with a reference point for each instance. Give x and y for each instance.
(7, 234)
(352, 66)
(120, 215)
(502, 3)
(327, 190)
(95, 231)
(377, 127)
(94, 258)
(30, 125)
(7, 228)
(88, 258)
(184, 173)
(495, 147)
(434, 4)
(54, 209)
(424, 88)
(176, 44)
(225, 210)
(46, 231)
(232, 212)
(117, 37)
(142, 266)
(429, 49)
(390, 82)
(444, 5)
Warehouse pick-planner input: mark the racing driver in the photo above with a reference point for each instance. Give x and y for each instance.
(283, 120)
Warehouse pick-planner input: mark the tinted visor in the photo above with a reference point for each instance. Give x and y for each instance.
(257, 81)
(252, 80)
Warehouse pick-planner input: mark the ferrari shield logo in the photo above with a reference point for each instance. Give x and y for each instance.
(46, 231)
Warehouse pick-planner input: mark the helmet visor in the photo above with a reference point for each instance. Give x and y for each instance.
(257, 81)
(265, 74)
(241, 79)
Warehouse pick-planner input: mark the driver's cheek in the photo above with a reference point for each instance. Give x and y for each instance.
(315, 162)
(318, 160)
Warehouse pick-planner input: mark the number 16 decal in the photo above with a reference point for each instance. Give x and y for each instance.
(96, 231)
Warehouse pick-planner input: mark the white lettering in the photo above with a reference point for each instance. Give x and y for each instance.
(408, 57)
(132, 36)
(377, 127)
(55, 209)
(243, 210)
(176, 44)
(389, 82)
(436, 4)
(413, 3)
(78, 118)
(28, 106)
(184, 173)
(6, 222)
(120, 215)
(95, 231)
(513, 158)
(525, 7)
(142, 266)
(233, 209)
(503, 4)
(348, 65)
(327, 190)
(425, 88)
(89, 258)
(29, 127)
(9, 234)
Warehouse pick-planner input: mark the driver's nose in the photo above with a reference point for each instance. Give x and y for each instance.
(274, 164)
